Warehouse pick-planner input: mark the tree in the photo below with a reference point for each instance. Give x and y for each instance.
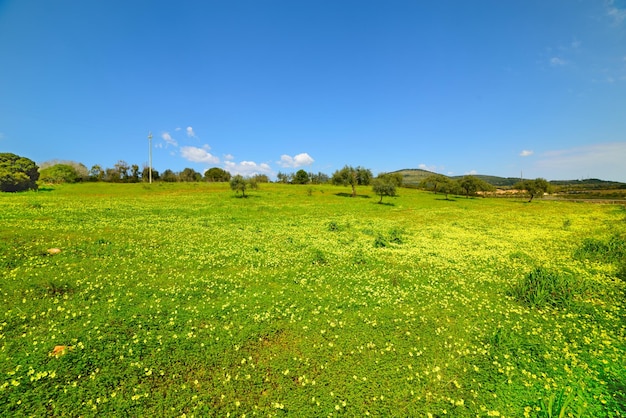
(112, 175)
(58, 173)
(122, 168)
(240, 184)
(169, 176)
(145, 174)
(469, 184)
(384, 185)
(319, 178)
(134, 173)
(189, 174)
(350, 176)
(396, 178)
(261, 178)
(283, 177)
(17, 173)
(217, 174)
(433, 182)
(363, 176)
(96, 173)
(440, 183)
(536, 187)
(301, 177)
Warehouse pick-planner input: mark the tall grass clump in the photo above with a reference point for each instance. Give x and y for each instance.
(542, 287)
(562, 404)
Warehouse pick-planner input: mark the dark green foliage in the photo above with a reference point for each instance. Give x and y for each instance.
(240, 184)
(439, 183)
(534, 188)
(217, 174)
(542, 287)
(17, 173)
(169, 176)
(471, 184)
(350, 176)
(384, 186)
(189, 175)
(394, 236)
(145, 174)
(301, 177)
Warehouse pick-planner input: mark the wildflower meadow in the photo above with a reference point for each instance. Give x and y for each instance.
(189, 300)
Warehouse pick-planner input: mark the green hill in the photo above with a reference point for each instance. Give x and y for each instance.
(413, 176)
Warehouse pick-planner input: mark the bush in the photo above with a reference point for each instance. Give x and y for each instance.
(59, 173)
(17, 173)
(542, 287)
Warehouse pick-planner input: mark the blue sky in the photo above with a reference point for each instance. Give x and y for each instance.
(457, 87)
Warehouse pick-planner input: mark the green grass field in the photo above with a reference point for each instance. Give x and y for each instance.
(182, 299)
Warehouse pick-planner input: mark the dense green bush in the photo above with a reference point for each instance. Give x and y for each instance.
(17, 173)
(59, 173)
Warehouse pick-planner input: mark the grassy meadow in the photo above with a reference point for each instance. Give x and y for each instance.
(185, 300)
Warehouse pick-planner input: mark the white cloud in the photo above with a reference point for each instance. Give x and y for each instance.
(471, 173)
(190, 132)
(427, 167)
(168, 139)
(247, 168)
(615, 12)
(557, 62)
(299, 160)
(526, 153)
(199, 155)
(1, 136)
(229, 157)
(605, 161)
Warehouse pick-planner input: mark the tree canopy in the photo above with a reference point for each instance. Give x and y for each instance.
(350, 176)
(240, 184)
(217, 174)
(536, 187)
(385, 185)
(301, 177)
(17, 173)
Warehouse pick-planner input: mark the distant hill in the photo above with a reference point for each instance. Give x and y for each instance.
(413, 176)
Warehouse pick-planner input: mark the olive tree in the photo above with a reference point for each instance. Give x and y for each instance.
(471, 185)
(350, 176)
(240, 184)
(536, 187)
(384, 185)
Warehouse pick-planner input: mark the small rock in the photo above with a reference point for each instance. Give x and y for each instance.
(53, 251)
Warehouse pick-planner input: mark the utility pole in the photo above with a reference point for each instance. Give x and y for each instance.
(150, 155)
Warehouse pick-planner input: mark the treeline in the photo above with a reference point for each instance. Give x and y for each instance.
(19, 173)
(72, 172)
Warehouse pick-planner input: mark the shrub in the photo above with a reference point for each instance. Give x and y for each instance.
(59, 173)
(17, 173)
